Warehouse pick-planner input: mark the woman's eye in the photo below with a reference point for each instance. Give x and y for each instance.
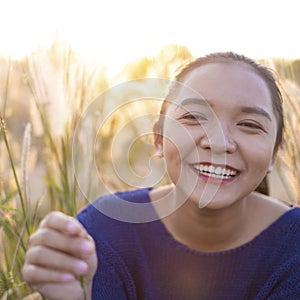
(251, 125)
(194, 117)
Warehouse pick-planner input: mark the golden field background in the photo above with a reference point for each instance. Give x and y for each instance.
(42, 98)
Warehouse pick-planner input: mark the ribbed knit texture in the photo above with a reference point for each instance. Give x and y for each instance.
(142, 260)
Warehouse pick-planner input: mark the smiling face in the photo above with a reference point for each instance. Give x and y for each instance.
(219, 134)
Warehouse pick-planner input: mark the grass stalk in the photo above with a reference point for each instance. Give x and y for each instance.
(4, 135)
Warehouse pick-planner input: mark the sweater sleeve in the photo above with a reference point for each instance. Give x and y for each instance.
(112, 279)
(285, 283)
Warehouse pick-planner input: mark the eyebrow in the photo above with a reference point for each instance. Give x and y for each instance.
(256, 110)
(245, 109)
(187, 101)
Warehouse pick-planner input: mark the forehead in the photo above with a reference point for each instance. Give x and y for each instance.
(227, 83)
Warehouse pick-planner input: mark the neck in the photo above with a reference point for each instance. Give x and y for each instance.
(208, 229)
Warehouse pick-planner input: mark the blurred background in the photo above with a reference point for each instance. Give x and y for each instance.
(57, 57)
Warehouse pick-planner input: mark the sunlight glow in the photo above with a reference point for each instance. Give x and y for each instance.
(115, 31)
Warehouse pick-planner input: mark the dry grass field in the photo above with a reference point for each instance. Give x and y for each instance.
(43, 97)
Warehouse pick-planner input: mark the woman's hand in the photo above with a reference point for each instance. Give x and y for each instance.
(60, 257)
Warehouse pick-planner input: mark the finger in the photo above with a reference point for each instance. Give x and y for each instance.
(34, 274)
(52, 259)
(59, 291)
(76, 246)
(61, 222)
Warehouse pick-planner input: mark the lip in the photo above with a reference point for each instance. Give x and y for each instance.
(216, 179)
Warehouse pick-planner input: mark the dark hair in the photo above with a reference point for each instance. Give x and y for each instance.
(230, 57)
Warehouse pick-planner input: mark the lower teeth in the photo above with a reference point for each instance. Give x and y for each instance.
(216, 175)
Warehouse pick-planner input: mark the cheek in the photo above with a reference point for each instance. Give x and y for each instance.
(178, 140)
(171, 150)
(259, 153)
(172, 160)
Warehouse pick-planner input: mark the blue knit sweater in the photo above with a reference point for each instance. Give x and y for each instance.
(143, 261)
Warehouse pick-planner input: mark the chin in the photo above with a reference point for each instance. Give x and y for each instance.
(215, 203)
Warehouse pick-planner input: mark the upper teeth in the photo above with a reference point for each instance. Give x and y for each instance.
(215, 170)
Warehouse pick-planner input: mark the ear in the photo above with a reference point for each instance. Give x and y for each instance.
(158, 139)
(274, 157)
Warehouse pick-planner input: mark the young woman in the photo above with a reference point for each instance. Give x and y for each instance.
(219, 131)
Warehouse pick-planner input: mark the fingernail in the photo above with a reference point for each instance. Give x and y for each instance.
(80, 266)
(86, 246)
(71, 227)
(67, 277)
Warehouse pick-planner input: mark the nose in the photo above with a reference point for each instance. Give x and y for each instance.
(218, 141)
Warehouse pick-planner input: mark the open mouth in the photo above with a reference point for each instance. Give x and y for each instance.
(213, 171)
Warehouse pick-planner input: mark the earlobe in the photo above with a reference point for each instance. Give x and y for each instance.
(270, 169)
(159, 152)
(158, 140)
(275, 152)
